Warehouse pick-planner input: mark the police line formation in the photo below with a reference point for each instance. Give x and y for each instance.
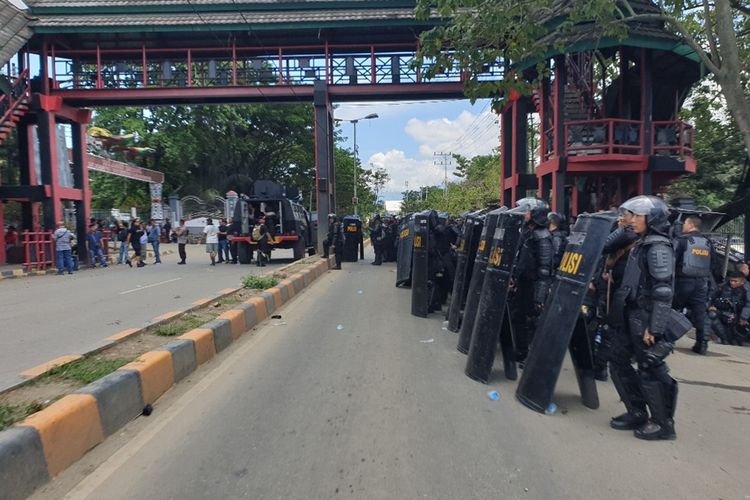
(609, 291)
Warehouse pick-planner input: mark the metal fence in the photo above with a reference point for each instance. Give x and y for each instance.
(732, 236)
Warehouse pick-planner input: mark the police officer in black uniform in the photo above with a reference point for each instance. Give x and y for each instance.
(645, 297)
(336, 237)
(693, 273)
(445, 240)
(532, 275)
(329, 237)
(559, 237)
(377, 236)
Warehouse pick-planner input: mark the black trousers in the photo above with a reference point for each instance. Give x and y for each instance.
(181, 251)
(692, 293)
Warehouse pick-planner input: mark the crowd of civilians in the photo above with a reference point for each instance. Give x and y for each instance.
(131, 240)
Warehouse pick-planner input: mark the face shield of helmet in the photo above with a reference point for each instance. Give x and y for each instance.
(526, 205)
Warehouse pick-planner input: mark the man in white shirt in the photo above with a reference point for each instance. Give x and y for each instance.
(212, 239)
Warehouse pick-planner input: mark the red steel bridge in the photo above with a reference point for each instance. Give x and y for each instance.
(607, 112)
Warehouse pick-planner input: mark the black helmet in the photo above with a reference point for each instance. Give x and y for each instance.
(555, 218)
(653, 207)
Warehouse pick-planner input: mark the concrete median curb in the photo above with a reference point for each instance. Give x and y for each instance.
(49, 441)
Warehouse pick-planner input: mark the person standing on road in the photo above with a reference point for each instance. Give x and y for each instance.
(134, 240)
(181, 232)
(262, 235)
(122, 239)
(693, 268)
(64, 241)
(644, 300)
(212, 239)
(377, 235)
(223, 242)
(337, 240)
(154, 237)
(94, 246)
(168, 231)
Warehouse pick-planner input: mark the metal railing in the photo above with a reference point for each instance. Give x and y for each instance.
(244, 66)
(608, 136)
(674, 138)
(39, 250)
(19, 91)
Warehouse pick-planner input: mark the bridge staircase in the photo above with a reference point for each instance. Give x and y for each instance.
(14, 103)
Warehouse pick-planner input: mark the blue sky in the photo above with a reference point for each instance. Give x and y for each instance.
(405, 137)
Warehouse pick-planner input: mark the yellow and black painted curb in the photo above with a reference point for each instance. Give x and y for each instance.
(49, 441)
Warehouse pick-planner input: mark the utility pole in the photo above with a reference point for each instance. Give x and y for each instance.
(443, 160)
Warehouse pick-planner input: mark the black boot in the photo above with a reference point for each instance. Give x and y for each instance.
(661, 401)
(630, 393)
(700, 347)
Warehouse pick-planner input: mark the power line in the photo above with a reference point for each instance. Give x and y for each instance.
(443, 160)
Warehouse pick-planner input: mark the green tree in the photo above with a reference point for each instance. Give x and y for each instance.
(479, 33)
(478, 187)
(207, 150)
(718, 151)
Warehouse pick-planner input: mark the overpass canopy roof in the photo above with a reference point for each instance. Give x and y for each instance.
(14, 30)
(115, 23)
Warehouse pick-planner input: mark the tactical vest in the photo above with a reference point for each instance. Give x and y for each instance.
(696, 259)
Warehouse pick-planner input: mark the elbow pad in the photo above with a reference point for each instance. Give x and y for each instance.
(619, 238)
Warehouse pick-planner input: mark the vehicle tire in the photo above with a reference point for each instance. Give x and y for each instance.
(299, 249)
(244, 252)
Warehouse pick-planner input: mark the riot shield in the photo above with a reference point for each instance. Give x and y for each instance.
(556, 325)
(507, 346)
(477, 279)
(581, 354)
(420, 292)
(493, 299)
(405, 250)
(465, 253)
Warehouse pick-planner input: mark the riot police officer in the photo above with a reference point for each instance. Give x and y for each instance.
(329, 237)
(559, 237)
(336, 237)
(532, 275)
(693, 271)
(377, 236)
(645, 298)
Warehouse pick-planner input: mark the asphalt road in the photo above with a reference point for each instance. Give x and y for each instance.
(349, 396)
(45, 317)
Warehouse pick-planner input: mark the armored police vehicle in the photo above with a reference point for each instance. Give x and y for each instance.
(288, 222)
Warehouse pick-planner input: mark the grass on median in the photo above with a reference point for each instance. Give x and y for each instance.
(10, 414)
(259, 282)
(181, 325)
(85, 370)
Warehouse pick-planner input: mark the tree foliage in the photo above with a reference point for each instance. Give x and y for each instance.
(478, 34)
(478, 188)
(717, 149)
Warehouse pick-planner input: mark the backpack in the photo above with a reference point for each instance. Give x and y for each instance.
(256, 233)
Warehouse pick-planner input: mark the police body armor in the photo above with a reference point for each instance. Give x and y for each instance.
(557, 324)
(421, 279)
(696, 259)
(405, 251)
(488, 325)
(477, 279)
(466, 252)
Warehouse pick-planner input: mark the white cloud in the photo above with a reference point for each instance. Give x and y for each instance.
(468, 135)
(417, 172)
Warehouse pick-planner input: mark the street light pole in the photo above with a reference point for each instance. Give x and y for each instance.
(356, 167)
(354, 122)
